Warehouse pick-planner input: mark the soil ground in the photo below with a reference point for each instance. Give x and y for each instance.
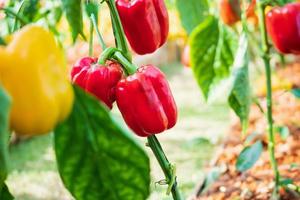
(257, 183)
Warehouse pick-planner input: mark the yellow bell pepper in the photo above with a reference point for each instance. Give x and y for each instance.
(33, 71)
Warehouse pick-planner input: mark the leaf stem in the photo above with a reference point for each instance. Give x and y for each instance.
(16, 15)
(102, 43)
(91, 41)
(165, 165)
(129, 67)
(118, 30)
(266, 58)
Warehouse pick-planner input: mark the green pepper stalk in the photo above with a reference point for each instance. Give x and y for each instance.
(102, 43)
(124, 58)
(118, 30)
(266, 58)
(153, 143)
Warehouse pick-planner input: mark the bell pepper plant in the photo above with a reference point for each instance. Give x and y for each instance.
(97, 158)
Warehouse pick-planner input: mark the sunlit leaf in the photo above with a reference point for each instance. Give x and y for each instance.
(97, 159)
(192, 13)
(249, 156)
(240, 95)
(73, 10)
(212, 53)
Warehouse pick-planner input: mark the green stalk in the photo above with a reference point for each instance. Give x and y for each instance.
(166, 166)
(118, 29)
(106, 54)
(16, 15)
(102, 43)
(266, 58)
(91, 42)
(129, 67)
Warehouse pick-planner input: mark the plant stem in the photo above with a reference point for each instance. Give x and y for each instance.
(106, 54)
(16, 15)
(118, 29)
(102, 43)
(266, 57)
(282, 60)
(91, 42)
(165, 165)
(129, 67)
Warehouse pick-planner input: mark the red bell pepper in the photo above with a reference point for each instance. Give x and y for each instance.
(97, 79)
(145, 23)
(146, 102)
(283, 25)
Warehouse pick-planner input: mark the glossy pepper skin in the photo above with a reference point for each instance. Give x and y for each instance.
(99, 80)
(145, 23)
(34, 73)
(283, 25)
(146, 102)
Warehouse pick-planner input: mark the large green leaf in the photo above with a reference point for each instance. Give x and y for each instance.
(240, 95)
(5, 194)
(97, 159)
(249, 156)
(4, 135)
(92, 8)
(192, 13)
(73, 10)
(212, 53)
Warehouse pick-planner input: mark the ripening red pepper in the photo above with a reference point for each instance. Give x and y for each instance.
(97, 79)
(145, 23)
(283, 25)
(146, 101)
(230, 11)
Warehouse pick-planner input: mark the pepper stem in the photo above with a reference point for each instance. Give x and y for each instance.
(167, 167)
(16, 15)
(118, 30)
(102, 43)
(129, 67)
(106, 54)
(266, 58)
(91, 41)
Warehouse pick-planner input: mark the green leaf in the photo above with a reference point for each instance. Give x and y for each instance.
(283, 131)
(2, 42)
(286, 181)
(30, 9)
(212, 176)
(73, 11)
(5, 194)
(192, 13)
(97, 159)
(4, 134)
(240, 96)
(212, 53)
(296, 92)
(249, 156)
(92, 8)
